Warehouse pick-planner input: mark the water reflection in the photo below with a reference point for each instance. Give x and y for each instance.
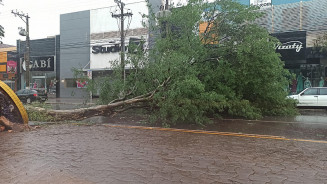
(308, 116)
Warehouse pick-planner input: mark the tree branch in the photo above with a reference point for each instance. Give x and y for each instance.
(83, 113)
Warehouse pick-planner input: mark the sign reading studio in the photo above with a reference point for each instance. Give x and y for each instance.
(292, 45)
(106, 49)
(40, 63)
(117, 47)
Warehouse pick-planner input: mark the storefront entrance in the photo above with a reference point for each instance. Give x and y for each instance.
(312, 74)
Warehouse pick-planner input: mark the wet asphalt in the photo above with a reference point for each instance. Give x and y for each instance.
(272, 150)
(71, 153)
(310, 124)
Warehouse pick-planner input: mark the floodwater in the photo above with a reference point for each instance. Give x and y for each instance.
(69, 153)
(101, 152)
(311, 124)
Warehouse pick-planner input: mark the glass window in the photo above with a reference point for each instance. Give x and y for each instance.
(323, 91)
(20, 91)
(70, 83)
(312, 91)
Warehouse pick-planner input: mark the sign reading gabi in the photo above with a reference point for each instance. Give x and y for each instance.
(40, 63)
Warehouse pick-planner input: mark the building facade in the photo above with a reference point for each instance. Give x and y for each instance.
(298, 25)
(8, 65)
(91, 42)
(44, 64)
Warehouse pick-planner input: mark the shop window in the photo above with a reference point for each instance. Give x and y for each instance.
(70, 83)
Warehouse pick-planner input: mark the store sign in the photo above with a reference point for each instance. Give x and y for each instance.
(106, 49)
(12, 67)
(261, 3)
(106, 54)
(292, 45)
(89, 74)
(40, 64)
(139, 42)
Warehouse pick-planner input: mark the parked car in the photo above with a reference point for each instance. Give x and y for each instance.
(42, 93)
(312, 97)
(29, 96)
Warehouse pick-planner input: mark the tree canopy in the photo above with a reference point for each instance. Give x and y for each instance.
(230, 69)
(321, 43)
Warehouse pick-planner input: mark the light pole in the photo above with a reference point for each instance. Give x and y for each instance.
(22, 32)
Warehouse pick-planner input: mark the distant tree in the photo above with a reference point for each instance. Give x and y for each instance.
(321, 44)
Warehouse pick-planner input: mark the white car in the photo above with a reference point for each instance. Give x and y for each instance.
(312, 97)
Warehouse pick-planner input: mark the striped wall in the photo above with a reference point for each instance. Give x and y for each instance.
(310, 16)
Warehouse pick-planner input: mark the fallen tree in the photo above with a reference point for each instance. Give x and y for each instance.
(241, 76)
(114, 107)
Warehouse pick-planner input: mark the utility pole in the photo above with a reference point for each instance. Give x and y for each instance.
(1, 28)
(122, 16)
(25, 18)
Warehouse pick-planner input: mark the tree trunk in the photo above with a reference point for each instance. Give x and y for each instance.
(114, 107)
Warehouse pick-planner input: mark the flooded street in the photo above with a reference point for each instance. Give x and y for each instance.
(74, 153)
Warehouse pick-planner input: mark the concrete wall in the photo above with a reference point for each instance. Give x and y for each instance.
(74, 49)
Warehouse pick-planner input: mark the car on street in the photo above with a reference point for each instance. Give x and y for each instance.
(42, 93)
(312, 97)
(29, 96)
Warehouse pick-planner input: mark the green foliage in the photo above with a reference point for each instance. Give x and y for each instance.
(39, 116)
(240, 76)
(321, 44)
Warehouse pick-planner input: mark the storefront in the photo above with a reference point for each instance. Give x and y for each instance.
(307, 66)
(44, 60)
(8, 66)
(42, 72)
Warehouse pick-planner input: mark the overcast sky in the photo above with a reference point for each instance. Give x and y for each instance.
(45, 15)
